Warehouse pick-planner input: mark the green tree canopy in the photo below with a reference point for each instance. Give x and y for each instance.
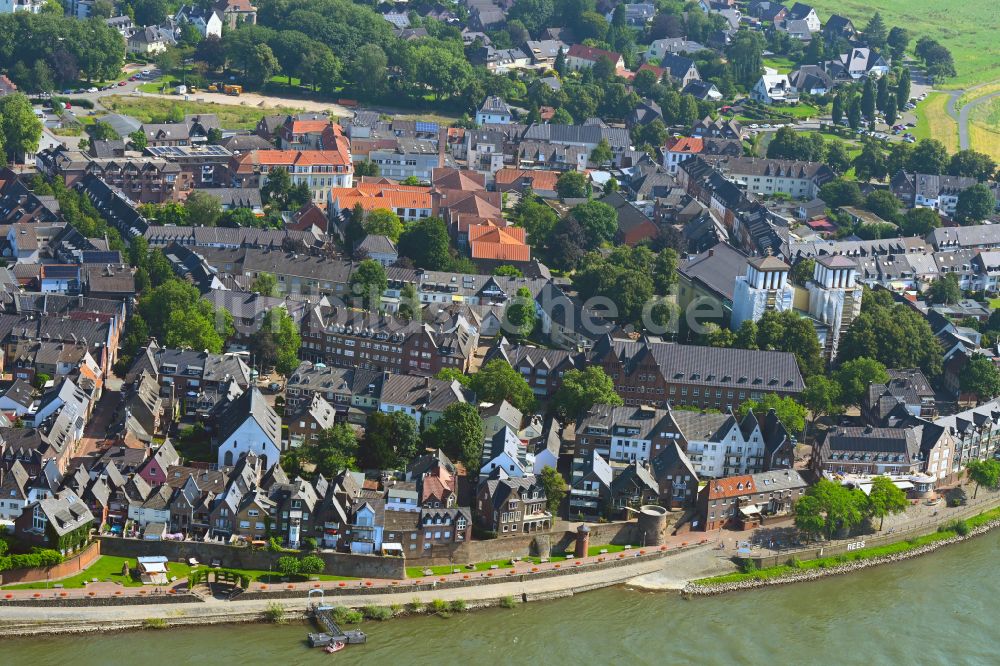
(885, 498)
(975, 204)
(787, 331)
(854, 376)
(497, 381)
(980, 378)
(572, 185)
(984, 473)
(839, 508)
(278, 341)
(459, 433)
(368, 283)
(788, 411)
(383, 222)
(893, 334)
(391, 441)
(427, 243)
(203, 209)
(581, 390)
(334, 450)
(555, 488)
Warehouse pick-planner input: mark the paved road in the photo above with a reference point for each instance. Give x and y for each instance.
(963, 117)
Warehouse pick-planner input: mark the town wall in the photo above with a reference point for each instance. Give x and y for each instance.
(541, 544)
(235, 557)
(69, 567)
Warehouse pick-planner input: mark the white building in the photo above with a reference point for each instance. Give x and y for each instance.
(764, 287)
(14, 6)
(494, 111)
(774, 89)
(249, 425)
(834, 297)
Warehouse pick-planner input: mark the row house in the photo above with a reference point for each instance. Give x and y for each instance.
(321, 171)
(185, 371)
(409, 202)
(143, 179)
(343, 388)
(424, 399)
(371, 341)
(768, 177)
(917, 449)
(744, 501)
(205, 165)
(194, 129)
(975, 433)
(513, 506)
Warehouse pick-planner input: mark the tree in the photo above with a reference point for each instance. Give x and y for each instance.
(787, 331)
(983, 473)
(383, 222)
(22, 130)
(746, 56)
(898, 41)
(625, 276)
(870, 163)
(138, 140)
(837, 157)
(311, 565)
(498, 381)
(278, 341)
(903, 88)
(581, 390)
(559, 65)
(521, 316)
(409, 303)
(602, 153)
(803, 271)
(837, 111)
(868, 99)
(366, 168)
(821, 396)
(928, 156)
(809, 517)
(975, 203)
(855, 376)
(841, 192)
(391, 440)
(945, 290)
(980, 378)
(893, 334)
(335, 450)
(972, 164)
(891, 111)
(854, 112)
(149, 12)
(717, 336)
(368, 283)
(885, 498)
(920, 221)
(875, 32)
(839, 507)
(884, 204)
(665, 270)
(262, 65)
(459, 433)
(506, 270)
(572, 185)
(882, 93)
(203, 209)
(598, 220)
(368, 69)
(287, 565)
(791, 414)
(427, 243)
(555, 488)
(265, 284)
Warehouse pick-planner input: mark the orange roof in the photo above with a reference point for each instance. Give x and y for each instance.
(306, 126)
(686, 144)
(540, 180)
(732, 486)
(658, 71)
(489, 242)
(297, 157)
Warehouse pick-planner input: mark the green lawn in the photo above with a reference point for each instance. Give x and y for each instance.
(106, 568)
(782, 64)
(157, 86)
(994, 303)
(967, 27)
(933, 121)
(158, 109)
(596, 550)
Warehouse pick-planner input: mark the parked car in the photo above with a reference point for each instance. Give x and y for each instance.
(274, 387)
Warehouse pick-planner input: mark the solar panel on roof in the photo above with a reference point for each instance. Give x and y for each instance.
(425, 127)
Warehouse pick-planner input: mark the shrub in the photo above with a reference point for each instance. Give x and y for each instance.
(416, 606)
(441, 607)
(311, 564)
(154, 623)
(961, 527)
(458, 605)
(288, 565)
(397, 609)
(344, 615)
(507, 602)
(794, 563)
(379, 613)
(275, 613)
(310, 544)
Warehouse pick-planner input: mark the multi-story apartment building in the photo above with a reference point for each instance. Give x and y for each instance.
(320, 170)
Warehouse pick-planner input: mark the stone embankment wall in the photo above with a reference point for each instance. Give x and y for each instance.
(68, 567)
(541, 544)
(798, 576)
(339, 564)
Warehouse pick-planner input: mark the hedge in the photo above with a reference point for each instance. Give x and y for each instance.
(38, 557)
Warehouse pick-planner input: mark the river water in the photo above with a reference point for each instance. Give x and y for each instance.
(937, 609)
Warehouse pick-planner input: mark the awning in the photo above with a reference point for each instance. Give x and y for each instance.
(903, 485)
(749, 510)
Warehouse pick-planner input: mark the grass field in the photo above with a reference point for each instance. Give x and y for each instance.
(984, 129)
(780, 63)
(933, 121)
(157, 109)
(967, 27)
(105, 568)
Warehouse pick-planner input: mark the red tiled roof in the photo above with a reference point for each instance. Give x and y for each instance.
(686, 144)
(590, 53)
(489, 242)
(732, 486)
(540, 180)
(658, 71)
(382, 195)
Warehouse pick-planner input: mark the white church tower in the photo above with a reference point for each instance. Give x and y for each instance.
(834, 297)
(764, 287)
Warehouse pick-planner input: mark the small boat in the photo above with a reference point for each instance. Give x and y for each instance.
(334, 647)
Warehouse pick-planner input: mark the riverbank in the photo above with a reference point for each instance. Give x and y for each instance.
(798, 572)
(37, 619)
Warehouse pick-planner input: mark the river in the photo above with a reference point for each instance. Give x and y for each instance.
(938, 608)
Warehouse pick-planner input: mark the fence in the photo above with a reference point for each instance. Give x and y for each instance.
(972, 507)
